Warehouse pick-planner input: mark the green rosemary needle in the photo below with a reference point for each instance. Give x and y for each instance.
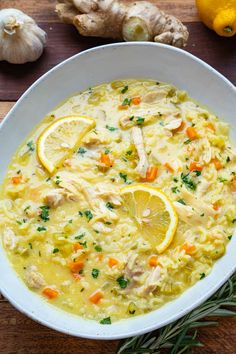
(181, 336)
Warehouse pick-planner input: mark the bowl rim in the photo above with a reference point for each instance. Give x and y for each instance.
(188, 308)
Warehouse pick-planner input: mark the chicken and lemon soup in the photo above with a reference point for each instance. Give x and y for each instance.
(122, 198)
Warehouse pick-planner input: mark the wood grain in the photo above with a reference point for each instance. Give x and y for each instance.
(43, 10)
(19, 334)
(64, 41)
(5, 108)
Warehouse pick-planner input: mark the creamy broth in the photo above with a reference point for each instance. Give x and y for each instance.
(47, 233)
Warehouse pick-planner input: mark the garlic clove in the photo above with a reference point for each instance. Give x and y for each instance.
(21, 39)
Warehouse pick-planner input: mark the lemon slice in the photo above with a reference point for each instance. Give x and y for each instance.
(60, 139)
(154, 213)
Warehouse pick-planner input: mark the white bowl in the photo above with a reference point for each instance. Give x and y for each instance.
(92, 67)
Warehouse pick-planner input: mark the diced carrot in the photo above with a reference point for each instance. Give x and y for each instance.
(77, 246)
(16, 179)
(50, 293)
(76, 266)
(191, 133)
(151, 174)
(106, 160)
(121, 107)
(152, 261)
(168, 167)
(96, 296)
(136, 100)
(211, 126)
(216, 206)
(112, 262)
(195, 166)
(181, 127)
(189, 249)
(217, 164)
(76, 276)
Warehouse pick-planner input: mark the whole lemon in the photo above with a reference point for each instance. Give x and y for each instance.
(219, 15)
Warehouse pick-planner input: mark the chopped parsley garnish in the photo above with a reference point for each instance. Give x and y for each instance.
(109, 205)
(221, 179)
(202, 275)
(88, 214)
(188, 182)
(230, 236)
(80, 213)
(126, 102)
(30, 145)
(125, 89)
(95, 273)
(175, 189)
(198, 173)
(129, 152)
(84, 244)
(82, 150)
(112, 129)
(18, 172)
(80, 236)
(107, 151)
(48, 179)
(44, 215)
(233, 221)
(30, 245)
(106, 321)
(70, 221)
(27, 208)
(122, 282)
(227, 159)
(19, 222)
(108, 223)
(181, 201)
(187, 141)
(98, 248)
(41, 228)
(57, 181)
(131, 118)
(123, 176)
(55, 250)
(140, 120)
(175, 179)
(202, 215)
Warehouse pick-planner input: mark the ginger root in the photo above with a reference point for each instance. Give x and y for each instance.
(130, 21)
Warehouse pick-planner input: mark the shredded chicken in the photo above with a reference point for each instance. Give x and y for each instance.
(151, 282)
(99, 226)
(133, 269)
(109, 194)
(174, 124)
(126, 122)
(77, 185)
(203, 187)
(101, 136)
(196, 211)
(56, 197)
(31, 209)
(139, 144)
(33, 278)
(152, 97)
(10, 240)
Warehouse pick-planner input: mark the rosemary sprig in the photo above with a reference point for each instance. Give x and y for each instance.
(181, 336)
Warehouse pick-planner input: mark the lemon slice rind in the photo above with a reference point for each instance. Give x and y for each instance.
(169, 208)
(84, 124)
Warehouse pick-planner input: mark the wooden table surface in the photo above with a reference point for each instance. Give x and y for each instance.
(19, 334)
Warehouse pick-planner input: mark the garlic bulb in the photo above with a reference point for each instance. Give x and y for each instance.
(21, 40)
